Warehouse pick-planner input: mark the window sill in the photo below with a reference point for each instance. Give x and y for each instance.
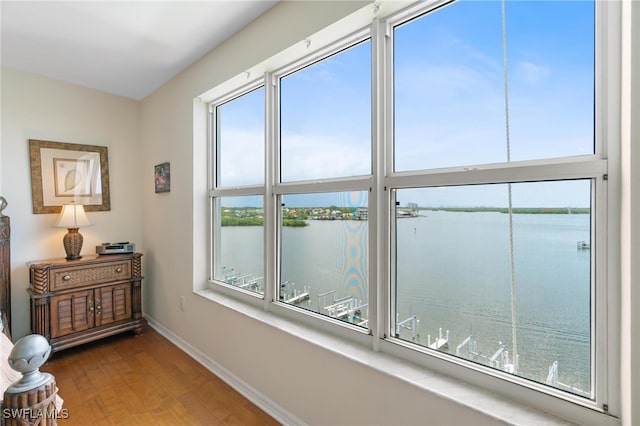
(482, 401)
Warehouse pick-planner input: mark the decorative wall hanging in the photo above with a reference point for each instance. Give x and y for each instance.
(64, 172)
(162, 177)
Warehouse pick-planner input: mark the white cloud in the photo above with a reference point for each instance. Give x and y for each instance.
(242, 157)
(531, 73)
(305, 156)
(321, 156)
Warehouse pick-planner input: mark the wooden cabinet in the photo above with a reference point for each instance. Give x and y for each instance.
(78, 301)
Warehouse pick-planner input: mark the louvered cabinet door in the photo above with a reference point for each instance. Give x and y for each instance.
(113, 304)
(72, 313)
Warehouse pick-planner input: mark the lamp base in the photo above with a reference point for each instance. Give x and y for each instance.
(73, 244)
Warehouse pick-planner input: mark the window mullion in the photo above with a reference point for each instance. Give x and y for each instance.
(378, 247)
(328, 185)
(237, 191)
(270, 179)
(211, 167)
(376, 263)
(570, 168)
(607, 222)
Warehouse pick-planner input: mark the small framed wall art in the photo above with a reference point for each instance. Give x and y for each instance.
(162, 175)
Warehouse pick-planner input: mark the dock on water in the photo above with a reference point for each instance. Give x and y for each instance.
(298, 297)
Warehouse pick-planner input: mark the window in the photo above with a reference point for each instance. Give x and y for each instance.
(237, 197)
(490, 266)
(436, 185)
(325, 133)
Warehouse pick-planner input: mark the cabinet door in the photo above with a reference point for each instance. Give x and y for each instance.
(113, 303)
(71, 313)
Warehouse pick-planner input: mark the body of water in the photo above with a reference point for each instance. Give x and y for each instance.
(453, 271)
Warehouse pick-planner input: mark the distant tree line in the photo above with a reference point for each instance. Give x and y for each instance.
(256, 221)
(515, 210)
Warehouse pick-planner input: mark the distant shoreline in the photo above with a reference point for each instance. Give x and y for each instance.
(254, 221)
(514, 210)
(253, 216)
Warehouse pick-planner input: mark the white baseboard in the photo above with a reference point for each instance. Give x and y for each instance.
(274, 410)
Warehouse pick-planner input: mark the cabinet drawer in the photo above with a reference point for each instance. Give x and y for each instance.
(83, 275)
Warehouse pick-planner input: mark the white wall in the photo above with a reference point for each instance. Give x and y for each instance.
(630, 217)
(34, 107)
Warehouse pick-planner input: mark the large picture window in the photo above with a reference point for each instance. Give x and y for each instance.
(436, 185)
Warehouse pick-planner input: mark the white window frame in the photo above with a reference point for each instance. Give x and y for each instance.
(595, 167)
(603, 168)
(279, 189)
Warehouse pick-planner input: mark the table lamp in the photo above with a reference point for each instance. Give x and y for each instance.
(72, 217)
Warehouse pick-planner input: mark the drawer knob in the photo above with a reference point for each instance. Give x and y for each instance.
(66, 278)
(119, 269)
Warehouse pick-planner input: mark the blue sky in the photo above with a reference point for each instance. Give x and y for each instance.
(449, 102)
(455, 116)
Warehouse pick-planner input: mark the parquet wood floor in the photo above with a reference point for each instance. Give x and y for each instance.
(144, 380)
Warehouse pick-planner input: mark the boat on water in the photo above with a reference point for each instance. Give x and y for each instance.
(406, 213)
(583, 245)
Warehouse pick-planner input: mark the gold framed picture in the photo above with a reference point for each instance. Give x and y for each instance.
(64, 172)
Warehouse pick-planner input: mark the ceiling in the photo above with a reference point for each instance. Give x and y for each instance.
(128, 48)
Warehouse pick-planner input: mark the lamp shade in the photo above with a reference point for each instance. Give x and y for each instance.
(72, 216)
